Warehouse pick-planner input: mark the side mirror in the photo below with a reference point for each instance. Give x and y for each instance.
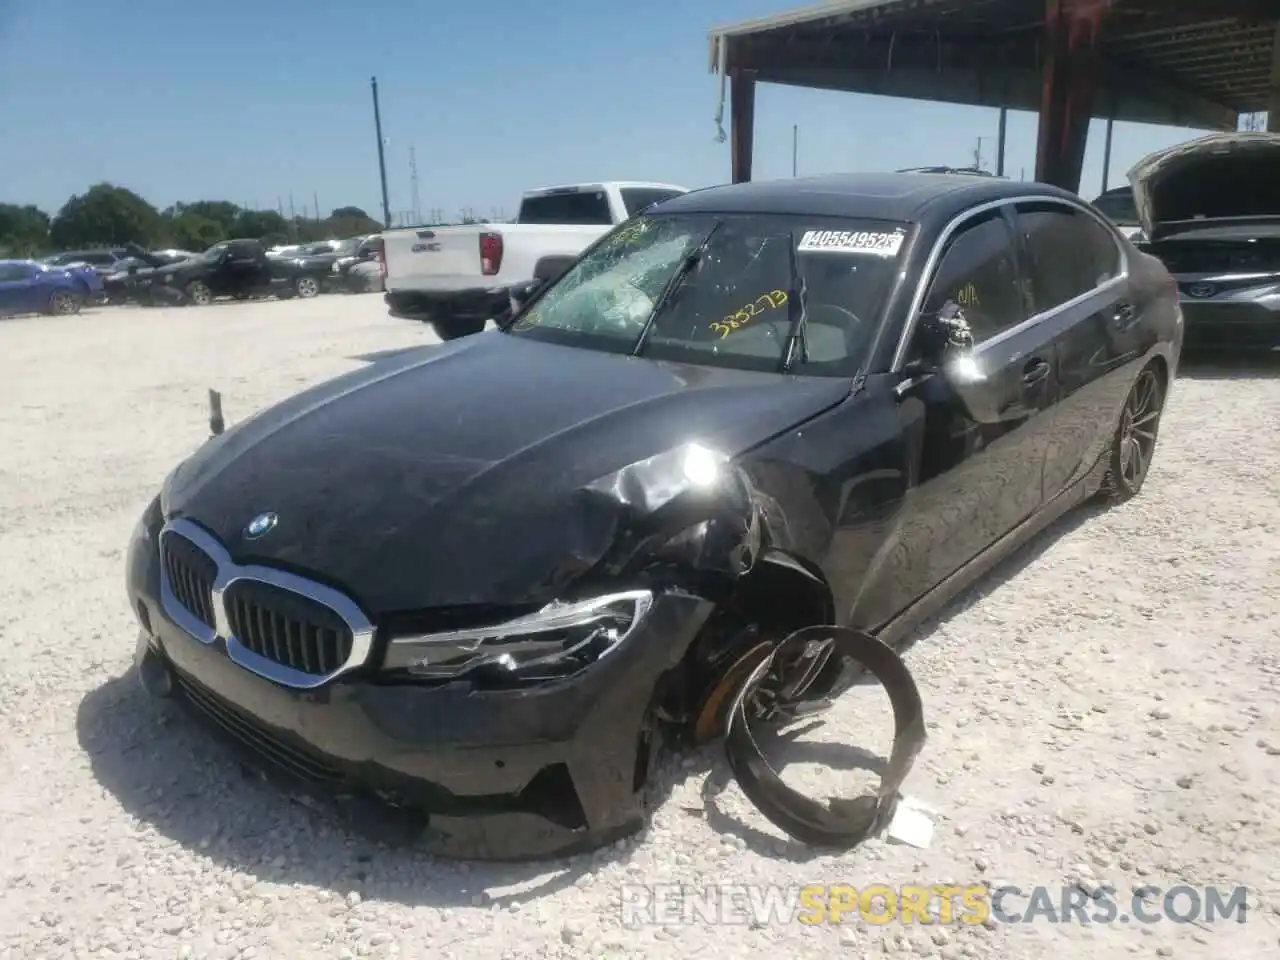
(941, 337)
(523, 293)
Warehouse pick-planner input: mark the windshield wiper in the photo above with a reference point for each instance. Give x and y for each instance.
(797, 311)
(673, 284)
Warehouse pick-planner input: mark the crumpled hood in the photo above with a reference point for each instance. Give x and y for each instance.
(1225, 176)
(454, 474)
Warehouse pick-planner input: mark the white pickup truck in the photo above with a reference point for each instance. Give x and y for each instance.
(457, 278)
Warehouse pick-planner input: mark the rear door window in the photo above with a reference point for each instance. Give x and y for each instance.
(576, 208)
(1066, 255)
(978, 273)
(1118, 207)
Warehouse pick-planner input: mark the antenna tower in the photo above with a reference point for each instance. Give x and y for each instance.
(413, 185)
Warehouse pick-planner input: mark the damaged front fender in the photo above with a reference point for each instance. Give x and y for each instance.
(690, 507)
(841, 823)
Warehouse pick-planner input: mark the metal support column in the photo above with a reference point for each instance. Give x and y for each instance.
(1002, 135)
(1072, 61)
(742, 121)
(1273, 104)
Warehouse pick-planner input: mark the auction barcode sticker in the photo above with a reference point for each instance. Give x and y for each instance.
(845, 241)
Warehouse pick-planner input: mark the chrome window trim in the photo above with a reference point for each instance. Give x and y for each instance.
(228, 572)
(953, 226)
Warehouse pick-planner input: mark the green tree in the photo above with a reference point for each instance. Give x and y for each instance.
(255, 224)
(221, 212)
(107, 214)
(24, 231)
(191, 231)
(344, 213)
(343, 227)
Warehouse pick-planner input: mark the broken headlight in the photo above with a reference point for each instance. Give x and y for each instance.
(557, 641)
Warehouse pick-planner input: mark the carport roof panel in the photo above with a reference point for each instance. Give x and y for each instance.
(1186, 62)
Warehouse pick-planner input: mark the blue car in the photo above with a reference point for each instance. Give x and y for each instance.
(30, 287)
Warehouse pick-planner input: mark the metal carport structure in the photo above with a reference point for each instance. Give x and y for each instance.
(1189, 63)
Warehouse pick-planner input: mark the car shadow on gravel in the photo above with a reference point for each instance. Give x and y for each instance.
(167, 772)
(1217, 366)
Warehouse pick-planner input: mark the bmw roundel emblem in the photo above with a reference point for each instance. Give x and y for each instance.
(260, 526)
(1202, 289)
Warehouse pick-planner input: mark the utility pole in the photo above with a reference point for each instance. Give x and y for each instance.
(382, 157)
(795, 148)
(977, 154)
(316, 198)
(1001, 139)
(413, 186)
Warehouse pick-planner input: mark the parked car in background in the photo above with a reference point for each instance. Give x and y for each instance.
(950, 171)
(1210, 209)
(27, 286)
(1118, 206)
(327, 259)
(366, 277)
(457, 278)
(232, 268)
(364, 253)
(133, 273)
(104, 261)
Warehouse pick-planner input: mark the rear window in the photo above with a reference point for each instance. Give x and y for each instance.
(579, 208)
(1118, 207)
(636, 199)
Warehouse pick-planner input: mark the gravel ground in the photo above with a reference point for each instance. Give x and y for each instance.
(1103, 708)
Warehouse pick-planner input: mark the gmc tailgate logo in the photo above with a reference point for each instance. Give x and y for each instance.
(426, 247)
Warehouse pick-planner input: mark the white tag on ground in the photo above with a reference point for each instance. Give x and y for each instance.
(912, 824)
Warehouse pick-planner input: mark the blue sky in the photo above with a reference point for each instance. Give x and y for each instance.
(250, 101)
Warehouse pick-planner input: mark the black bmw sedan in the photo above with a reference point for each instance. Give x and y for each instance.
(486, 580)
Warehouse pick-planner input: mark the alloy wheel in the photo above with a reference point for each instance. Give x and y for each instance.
(200, 294)
(1139, 424)
(307, 287)
(63, 303)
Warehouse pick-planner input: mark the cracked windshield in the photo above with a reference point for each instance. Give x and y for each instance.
(728, 291)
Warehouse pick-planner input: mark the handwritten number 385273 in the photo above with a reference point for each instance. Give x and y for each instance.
(740, 318)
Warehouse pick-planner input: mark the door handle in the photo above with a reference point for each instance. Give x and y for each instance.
(1035, 371)
(1124, 314)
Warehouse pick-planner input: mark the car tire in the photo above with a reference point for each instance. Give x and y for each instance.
(306, 287)
(1134, 443)
(64, 303)
(457, 327)
(198, 293)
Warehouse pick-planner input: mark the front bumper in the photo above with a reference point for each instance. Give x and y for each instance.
(1243, 318)
(498, 774)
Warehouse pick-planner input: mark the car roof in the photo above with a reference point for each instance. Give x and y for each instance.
(900, 197)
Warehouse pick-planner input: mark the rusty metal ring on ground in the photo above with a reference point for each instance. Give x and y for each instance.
(840, 823)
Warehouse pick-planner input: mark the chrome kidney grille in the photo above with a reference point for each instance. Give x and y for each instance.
(288, 629)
